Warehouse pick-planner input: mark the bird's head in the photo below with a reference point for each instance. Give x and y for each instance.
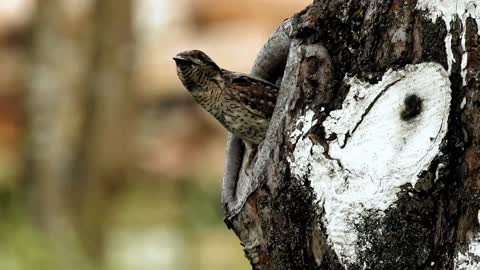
(195, 69)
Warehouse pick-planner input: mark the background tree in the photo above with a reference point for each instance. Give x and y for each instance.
(371, 160)
(80, 111)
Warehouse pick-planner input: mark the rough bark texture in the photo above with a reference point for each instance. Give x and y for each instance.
(281, 218)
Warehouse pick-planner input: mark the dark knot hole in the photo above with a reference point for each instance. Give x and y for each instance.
(412, 107)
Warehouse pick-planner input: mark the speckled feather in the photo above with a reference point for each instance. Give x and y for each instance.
(241, 103)
(258, 96)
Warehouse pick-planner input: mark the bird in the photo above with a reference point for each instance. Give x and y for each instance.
(242, 103)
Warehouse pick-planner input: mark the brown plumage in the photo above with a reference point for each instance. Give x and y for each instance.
(241, 103)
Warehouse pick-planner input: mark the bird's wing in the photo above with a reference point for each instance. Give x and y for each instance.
(256, 95)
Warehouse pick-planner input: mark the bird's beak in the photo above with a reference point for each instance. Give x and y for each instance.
(179, 59)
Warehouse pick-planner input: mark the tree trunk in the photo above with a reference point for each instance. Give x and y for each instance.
(104, 158)
(80, 112)
(61, 53)
(372, 158)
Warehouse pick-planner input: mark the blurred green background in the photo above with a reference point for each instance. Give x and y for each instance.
(105, 160)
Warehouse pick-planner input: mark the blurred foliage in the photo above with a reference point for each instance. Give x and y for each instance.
(169, 226)
(22, 246)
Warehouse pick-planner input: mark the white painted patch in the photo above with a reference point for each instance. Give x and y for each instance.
(299, 164)
(375, 152)
(449, 11)
(305, 123)
(469, 259)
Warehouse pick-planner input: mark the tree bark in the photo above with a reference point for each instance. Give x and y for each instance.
(372, 157)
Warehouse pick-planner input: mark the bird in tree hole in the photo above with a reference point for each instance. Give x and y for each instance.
(242, 103)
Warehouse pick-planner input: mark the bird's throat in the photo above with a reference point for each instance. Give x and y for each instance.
(211, 100)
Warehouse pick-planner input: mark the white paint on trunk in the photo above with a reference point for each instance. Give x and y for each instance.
(375, 151)
(468, 254)
(469, 257)
(449, 11)
(301, 157)
(304, 124)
